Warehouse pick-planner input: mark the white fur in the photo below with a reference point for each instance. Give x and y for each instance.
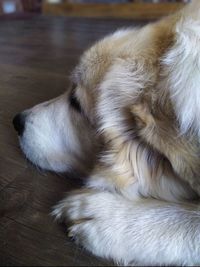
(183, 72)
(114, 221)
(143, 232)
(50, 139)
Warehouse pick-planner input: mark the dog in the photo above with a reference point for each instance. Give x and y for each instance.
(131, 123)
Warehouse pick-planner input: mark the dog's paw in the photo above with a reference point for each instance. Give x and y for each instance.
(92, 224)
(131, 233)
(74, 206)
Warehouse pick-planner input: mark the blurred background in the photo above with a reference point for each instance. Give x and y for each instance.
(135, 9)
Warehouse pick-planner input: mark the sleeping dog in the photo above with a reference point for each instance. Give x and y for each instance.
(131, 122)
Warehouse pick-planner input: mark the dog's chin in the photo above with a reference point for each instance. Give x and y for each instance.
(54, 161)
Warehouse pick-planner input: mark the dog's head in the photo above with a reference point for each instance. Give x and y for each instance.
(136, 86)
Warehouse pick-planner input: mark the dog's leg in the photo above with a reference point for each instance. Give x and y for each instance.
(144, 231)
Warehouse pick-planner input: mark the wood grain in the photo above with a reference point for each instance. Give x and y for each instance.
(36, 57)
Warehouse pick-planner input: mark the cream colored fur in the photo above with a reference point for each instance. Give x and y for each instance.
(139, 93)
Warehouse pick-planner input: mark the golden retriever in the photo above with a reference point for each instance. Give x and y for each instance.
(131, 122)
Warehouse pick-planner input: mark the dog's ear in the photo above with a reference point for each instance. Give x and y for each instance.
(122, 87)
(182, 69)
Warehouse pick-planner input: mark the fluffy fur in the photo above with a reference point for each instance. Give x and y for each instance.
(137, 137)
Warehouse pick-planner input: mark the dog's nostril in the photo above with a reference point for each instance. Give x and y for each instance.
(19, 122)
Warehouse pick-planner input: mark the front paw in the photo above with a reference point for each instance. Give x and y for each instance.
(90, 216)
(143, 232)
(71, 208)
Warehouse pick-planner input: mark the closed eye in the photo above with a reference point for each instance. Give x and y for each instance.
(74, 102)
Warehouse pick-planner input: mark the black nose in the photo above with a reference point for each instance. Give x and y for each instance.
(19, 123)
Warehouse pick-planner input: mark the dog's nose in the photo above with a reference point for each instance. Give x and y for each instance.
(19, 123)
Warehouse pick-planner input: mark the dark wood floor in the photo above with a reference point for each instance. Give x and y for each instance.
(36, 55)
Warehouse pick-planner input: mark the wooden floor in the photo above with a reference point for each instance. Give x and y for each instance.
(36, 55)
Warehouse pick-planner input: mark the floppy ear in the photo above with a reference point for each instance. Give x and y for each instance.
(125, 91)
(130, 163)
(182, 69)
(122, 87)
